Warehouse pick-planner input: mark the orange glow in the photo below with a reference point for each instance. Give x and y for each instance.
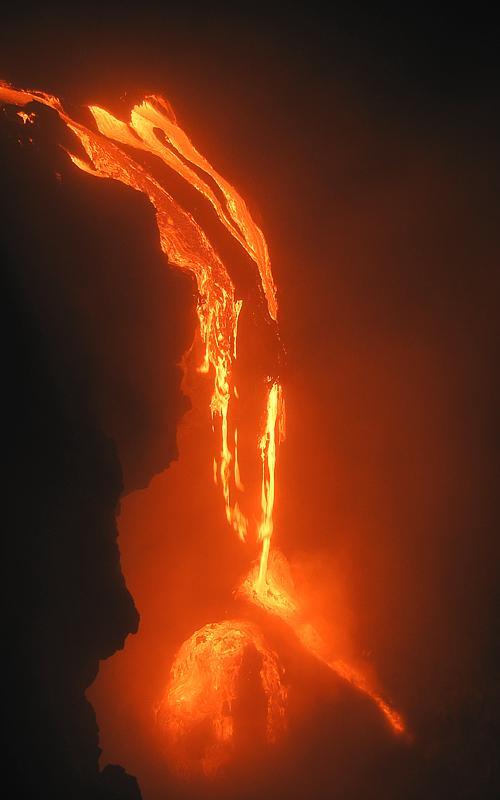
(203, 683)
(197, 710)
(183, 241)
(25, 117)
(277, 596)
(153, 114)
(274, 416)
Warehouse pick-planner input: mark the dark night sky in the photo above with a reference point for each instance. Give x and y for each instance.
(367, 146)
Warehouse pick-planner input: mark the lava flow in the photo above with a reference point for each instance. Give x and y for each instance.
(203, 690)
(203, 682)
(277, 596)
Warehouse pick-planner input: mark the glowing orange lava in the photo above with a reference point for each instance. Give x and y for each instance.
(203, 683)
(197, 711)
(184, 243)
(277, 596)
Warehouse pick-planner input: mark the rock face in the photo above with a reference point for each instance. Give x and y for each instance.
(73, 252)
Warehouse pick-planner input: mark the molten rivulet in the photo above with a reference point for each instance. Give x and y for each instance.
(203, 680)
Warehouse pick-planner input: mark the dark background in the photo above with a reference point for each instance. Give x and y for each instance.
(367, 146)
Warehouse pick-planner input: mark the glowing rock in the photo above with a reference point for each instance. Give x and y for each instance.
(199, 713)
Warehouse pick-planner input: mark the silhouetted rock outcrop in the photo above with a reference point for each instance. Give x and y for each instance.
(82, 396)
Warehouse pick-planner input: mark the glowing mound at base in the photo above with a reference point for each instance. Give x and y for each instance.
(199, 713)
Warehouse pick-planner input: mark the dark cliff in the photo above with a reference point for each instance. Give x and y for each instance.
(87, 310)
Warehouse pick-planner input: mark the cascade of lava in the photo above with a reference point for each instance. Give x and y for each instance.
(203, 679)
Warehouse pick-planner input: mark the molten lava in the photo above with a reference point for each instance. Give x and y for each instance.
(197, 711)
(183, 241)
(199, 701)
(277, 596)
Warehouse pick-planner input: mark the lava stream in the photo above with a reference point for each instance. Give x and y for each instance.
(152, 123)
(203, 682)
(277, 596)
